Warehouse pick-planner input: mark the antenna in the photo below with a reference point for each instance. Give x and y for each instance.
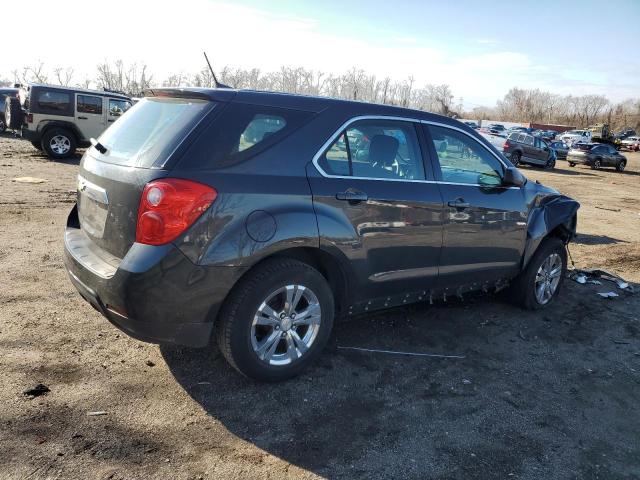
(215, 80)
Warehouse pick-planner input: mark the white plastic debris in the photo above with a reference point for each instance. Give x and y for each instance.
(608, 294)
(29, 180)
(96, 413)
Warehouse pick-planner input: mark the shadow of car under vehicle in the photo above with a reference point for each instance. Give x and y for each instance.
(587, 239)
(361, 414)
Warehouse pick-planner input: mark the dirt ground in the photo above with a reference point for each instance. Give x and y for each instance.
(537, 395)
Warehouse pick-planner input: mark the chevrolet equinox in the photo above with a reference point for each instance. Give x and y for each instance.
(256, 218)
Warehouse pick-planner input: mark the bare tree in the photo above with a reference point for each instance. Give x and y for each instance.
(63, 75)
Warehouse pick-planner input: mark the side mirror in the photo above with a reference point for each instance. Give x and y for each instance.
(513, 178)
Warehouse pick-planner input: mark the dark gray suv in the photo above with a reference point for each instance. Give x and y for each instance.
(257, 218)
(525, 148)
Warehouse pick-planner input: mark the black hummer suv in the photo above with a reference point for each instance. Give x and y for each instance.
(257, 218)
(58, 119)
(525, 148)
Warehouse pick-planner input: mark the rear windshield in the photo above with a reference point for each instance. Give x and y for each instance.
(583, 146)
(148, 132)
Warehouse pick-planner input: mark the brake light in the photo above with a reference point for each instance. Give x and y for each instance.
(30, 118)
(506, 145)
(168, 207)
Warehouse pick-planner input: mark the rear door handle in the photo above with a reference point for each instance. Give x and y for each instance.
(459, 203)
(83, 118)
(352, 196)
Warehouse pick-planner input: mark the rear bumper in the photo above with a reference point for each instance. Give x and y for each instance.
(154, 294)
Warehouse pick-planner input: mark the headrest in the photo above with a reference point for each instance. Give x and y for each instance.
(383, 149)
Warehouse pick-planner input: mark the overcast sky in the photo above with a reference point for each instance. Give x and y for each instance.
(481, 49)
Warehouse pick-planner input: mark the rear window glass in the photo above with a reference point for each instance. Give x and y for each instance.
(148, 132)
(241, 131)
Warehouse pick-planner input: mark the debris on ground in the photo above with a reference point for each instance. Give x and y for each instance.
(96, 413)
(590, 275)
(608, 294)
(149, 363)
(29, 180)
(391, 352)
(39, 389)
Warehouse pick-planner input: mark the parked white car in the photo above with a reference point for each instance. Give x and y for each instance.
(631, 143)
(574, 136)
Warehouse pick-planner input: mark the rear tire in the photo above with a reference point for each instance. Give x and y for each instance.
(551, 164)
(260, 336)
(59, 143)
(596, 165)
(13, 114)
(571, 164)
(525, 288)
(515, 158)
(621, 165)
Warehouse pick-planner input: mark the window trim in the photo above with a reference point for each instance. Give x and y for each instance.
(351, 120)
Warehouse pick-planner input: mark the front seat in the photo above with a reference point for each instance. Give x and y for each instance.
(382, 155)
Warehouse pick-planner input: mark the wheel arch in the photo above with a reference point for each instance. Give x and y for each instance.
(334, 272)
(47, 125)
(556, 217)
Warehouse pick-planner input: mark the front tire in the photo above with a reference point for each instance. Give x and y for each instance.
(621, 166)
(539, 284)
(596, 165)
(276, 321)
(59, 143)
(571, 164)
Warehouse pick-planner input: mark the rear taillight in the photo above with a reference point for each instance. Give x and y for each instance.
(30, 118)
(168, 207)
(506, 145)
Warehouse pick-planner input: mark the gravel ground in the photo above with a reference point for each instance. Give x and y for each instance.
(541, 395)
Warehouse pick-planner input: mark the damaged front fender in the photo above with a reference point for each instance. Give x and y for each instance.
(553, 215)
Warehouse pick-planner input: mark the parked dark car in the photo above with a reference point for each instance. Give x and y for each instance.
(596, 155)
(625, 133)
(526, 148)
(187, 229)
(471, 124)
(560, 148)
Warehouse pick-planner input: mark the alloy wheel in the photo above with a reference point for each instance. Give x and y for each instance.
(548, 278)
(60, 144)
(286, 325)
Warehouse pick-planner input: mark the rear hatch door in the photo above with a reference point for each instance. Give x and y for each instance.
(138, 148)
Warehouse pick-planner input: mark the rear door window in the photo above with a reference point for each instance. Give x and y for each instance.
(117, 107)
(377, 149)
(89, 104)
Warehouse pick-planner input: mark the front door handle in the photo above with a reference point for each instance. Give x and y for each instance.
(352, 196)
(459, 203)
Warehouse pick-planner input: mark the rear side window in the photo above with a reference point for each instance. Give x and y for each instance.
(147, 133)
(54, 102)
(243, 130)
(89, 104)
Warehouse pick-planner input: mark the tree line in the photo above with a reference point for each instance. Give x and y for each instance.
(518, 105)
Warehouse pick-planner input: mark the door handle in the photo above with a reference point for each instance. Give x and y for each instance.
(83, 118)
(459, 203)
(352, 196)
